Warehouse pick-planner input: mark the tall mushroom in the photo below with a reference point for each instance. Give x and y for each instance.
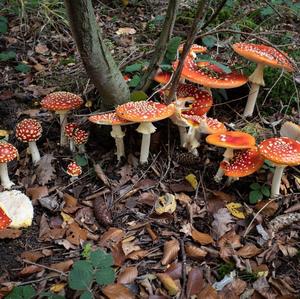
(7, 153)
(283, 152)
(30, 130)
(145, 112)
(62, 102)
(80, 138)
(115, 122)
(263, 56)
(230, 140)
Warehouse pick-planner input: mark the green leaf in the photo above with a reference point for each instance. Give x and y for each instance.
(172, 48)
(265, 190)
(3, 24)
(209, 41)
(7, 55)
(22, 292)
(133, 68)
(23, 68)
(166, 67)
(87, 249)
(255, 196)
(105, 276)
(255, 186)
(135, 80)
(101, 259)
(138, 95)
(81, 160)
(51, 295)
(223, 67)
(86, 295)
(81, 276)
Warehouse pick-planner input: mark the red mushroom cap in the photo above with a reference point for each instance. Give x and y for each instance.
(69, 129)
(74, 169)
(61, 100)
(7, 152)
(281, 151)
(5, 221)
(29, 130)
(243, 163)
(145, 111)
(108, 119)
(263, 54)
(232, 139)
(162, 77)
(194, 48)
(209, 76)
(80, 136)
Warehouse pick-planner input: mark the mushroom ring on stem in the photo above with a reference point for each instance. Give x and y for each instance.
(283, 152)
(62, 102)
(7, 153)
(145, 112)
(230, 140)
(111, 119)
(30, 130)
(263, 56)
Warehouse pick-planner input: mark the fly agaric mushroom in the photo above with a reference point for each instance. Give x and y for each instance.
(69, 131)
(263, 56)
(111, 119)
(283, 152)
(7, 153)
(30, 130)
(291, 130)
(62, 102)
(74, 170)
(162, 77)
(80, 138)
(4, 220)
(145, 112)
(230, 140)
(194, 49)
(18, 207)
(243, 163)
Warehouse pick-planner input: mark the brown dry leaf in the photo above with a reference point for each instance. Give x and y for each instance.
(112, 236)
(62, 266)
(75, 234)
(150, 231)
(125, 31)
(70, 201)
(118, 254)
(175, 271)
(10, 233)
(45, 171)
(171, 249)
(128, 245)
(248, 251)
(41, 49)
(262, 286)
(288, 250)
(32, 256)
(128, 275)
(39, 67)
(37, 192)
(168, 283)
(228, 243)
(221, 223)
(194, 283)
(102, 213)
(208, 293)
(183, 198)
(195, 252)
(30, 270)
(201, 238)
(101, 175)
(148, 198)
(237, 286)
(137, 255)
(270, 207)
(165, 204)
(117, 291)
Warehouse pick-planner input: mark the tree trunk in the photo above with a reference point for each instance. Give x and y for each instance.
(99, 63)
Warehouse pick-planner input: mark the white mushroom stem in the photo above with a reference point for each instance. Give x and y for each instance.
(63, 121)
(81, 148)
(191, 141)
(275, 189)
(177, 120)
(35, 154)
(72, 145)
(145, 128)
(228, 154)
(183, 135)
(5, 181)
(118, 135)
(257, 80)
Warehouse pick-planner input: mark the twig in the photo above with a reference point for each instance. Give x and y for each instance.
(183, 271)
(272, 6)
(45, 267)
(214, 15)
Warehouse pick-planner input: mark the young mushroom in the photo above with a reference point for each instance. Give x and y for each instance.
(74, 171)
(30, 130)
(263, 56)
(230, 140)
(111, 119)
(80, 138)
(69, 132)
(283, 152)
(7, 153)
(62, 102)
(145, 112)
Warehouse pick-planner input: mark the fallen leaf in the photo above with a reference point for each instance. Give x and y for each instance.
(151, 233)
(58, 287)
(248, 251)
(201, 238)
(221, 222)
(45, 171)
(32, 256)
(117, 291)
(195, 252)
(288, 250)
(165, 204)
(75, 234)
(62, 266)
(137, 255)
(195, 282)
(128, 275)
(168, 283)
(37, 192)
(174, 271)
(171, 249)
(118, 254)
(183, 198)
(101, 211)
(70, 201)
(101, 175)
(208, 293)
(10, 233)
(128, 245)
(67, 218)
(262, 286)
(125, 31)
(111, 237)
(191, 178)
(41, 49)
(237, 286)
(235, 210)
(269, 209)
(30, 270)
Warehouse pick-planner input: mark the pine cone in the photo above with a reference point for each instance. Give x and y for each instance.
(187, 159)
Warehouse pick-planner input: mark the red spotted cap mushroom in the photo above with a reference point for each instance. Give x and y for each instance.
(69, 131)
(111, 119)
(162, 77)
(74, 170)
(4, 220)
(243, 163)
(263, 56)
(7, 153)
(230, 140)
(80, 138)
(194, 49)
(283, 152)
(62, 102)
(145, 112)
(30, 130)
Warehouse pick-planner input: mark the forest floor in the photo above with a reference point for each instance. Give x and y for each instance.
(213, 244)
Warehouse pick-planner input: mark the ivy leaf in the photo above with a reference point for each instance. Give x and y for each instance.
(166, 67)
(22, 292)
(255, 196)
(255, 186)
(172, 48)
(7, 55)
(135, 80)
(81, 160)
(105, 276)
(23, 68)
(209, 41)
(101, 259)
(265, 190)
(81, 275)
(133, 68)
(138, 95)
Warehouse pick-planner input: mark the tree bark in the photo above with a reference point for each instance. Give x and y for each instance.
(98, 62)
